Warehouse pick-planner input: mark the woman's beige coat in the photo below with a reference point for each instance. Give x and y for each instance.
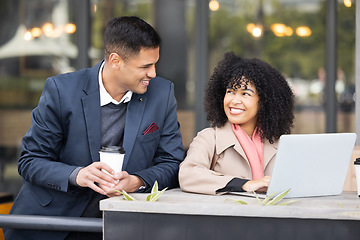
(219, 145)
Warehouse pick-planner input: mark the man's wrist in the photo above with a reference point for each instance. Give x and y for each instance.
(73, 175)
(140, 184)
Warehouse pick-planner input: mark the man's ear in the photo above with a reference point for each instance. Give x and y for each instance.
(116, 62)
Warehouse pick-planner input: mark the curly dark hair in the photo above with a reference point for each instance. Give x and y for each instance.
(276, 104)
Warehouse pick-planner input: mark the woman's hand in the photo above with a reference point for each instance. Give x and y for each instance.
(260, 185)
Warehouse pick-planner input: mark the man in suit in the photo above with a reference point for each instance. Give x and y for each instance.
(118, 102)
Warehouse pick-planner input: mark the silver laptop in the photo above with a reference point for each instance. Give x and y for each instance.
(311, 164)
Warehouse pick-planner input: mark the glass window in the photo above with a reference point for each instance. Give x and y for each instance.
(36, 41)
(290, 35)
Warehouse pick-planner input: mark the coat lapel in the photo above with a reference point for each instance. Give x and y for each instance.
(91, 108)
(134, 115)
(225, 138)
(269, 152)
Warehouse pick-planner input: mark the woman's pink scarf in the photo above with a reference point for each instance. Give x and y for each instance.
(253, 148)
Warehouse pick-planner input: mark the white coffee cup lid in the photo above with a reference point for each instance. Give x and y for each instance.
(112, 149)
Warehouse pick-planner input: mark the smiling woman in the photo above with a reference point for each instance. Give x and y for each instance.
(249, 105)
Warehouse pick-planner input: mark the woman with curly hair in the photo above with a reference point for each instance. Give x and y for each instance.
(249, 105)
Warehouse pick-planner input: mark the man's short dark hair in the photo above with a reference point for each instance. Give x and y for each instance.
(127, 35)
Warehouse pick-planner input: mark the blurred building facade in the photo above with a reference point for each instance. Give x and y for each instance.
(41, 38)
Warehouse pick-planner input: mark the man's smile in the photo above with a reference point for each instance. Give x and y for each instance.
(145, 82)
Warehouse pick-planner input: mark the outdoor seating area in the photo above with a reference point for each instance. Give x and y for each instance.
(152, 119)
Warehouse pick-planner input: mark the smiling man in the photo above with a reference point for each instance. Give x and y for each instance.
(118, 102)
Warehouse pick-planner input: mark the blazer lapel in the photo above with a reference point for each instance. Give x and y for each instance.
(91, 108)
(134, 115)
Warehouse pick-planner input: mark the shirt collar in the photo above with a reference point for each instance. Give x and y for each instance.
(105, 97)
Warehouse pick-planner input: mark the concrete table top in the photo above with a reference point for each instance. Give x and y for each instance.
(342, 207)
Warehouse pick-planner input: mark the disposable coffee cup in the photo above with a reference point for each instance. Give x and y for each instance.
(112, 156)
(357, 172)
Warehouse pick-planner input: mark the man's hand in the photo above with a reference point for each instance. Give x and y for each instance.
(88, 176)
(260, 185)
(128, 183)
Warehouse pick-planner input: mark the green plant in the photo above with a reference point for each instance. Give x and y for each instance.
(126, 195)
(239, 201)
(340, 205)
(155, 193)
(152, 197)
(270, 200)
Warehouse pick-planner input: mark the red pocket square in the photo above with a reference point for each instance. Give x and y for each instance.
(152, 128)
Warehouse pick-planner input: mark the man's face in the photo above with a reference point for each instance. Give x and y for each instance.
(136, 72)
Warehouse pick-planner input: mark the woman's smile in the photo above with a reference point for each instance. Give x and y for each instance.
(241, 106)
(236, 110)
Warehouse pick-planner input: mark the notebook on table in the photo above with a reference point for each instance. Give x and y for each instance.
(310, 165)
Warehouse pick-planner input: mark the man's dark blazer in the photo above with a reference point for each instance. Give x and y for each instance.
(65, 134)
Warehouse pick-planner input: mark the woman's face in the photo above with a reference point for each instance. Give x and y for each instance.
(241, 106)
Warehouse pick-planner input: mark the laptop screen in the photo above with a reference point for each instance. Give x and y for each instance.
(312, 164)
